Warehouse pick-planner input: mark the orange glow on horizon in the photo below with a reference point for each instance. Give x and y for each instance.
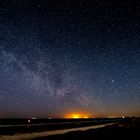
(77, 116)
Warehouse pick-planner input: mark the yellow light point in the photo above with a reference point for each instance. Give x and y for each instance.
(76, 116)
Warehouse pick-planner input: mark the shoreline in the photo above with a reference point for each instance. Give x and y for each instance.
(117, 131)
(35, 135)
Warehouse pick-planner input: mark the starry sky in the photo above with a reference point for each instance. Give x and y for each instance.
(61, 56)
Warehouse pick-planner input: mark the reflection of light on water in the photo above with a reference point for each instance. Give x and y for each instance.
(29, 123)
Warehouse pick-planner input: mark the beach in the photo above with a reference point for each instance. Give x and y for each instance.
(124, 130)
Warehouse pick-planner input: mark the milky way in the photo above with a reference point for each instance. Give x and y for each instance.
(60, 56)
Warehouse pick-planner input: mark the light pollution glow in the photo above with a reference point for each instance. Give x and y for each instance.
(77, 115)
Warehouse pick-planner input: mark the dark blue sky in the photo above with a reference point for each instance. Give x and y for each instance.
(65, 56)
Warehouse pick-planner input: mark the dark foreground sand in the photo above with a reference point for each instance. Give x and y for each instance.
(126, 130)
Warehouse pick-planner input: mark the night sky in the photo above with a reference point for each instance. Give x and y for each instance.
(62, 56)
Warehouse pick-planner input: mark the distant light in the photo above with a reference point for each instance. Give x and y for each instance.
(85, 117)
(34, 118)
(50, 118)
(123, 117)
(29, 121)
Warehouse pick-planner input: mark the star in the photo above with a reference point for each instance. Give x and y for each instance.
(113, 81)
